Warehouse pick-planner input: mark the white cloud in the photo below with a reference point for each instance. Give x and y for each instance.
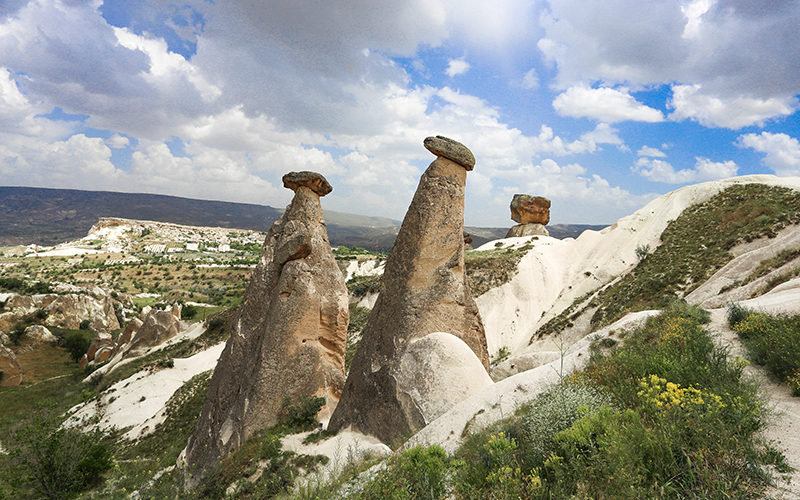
(456, 67)
(653, 152)
(704, 170)
(604, 133)
(576, 194)
(117, 141)
(730, 47)
(605, 104)
(782, 151)
(530, 81)
(733, 113)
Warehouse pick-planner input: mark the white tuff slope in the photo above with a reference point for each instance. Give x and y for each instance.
(556, 272)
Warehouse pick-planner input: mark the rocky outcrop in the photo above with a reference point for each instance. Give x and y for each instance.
(532, 213)
(12, 373)
(158, 327)
(133, 326)
(425, 291)
(64, 311)
(39, 333)
(433, 372)
(101, 347)
(288, 338)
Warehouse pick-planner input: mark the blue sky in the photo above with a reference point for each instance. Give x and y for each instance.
(598, 105)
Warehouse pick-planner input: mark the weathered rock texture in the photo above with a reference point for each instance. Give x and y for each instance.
(287, 340)
(12, 373)
(425, 291)
(38, 333)
(439, 371)
(527, 230)
(158, 327)
(450, 149)
(527, 209)
(65, 311)
(532, 213)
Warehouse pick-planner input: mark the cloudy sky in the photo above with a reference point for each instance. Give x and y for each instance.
(599, 105)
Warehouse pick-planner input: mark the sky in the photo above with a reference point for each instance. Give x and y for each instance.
(598, 105)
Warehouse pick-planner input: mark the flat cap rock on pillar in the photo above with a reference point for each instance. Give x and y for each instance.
(312, 180)
(450, 149)
(424, 291)
(287, 339)
(527, 209)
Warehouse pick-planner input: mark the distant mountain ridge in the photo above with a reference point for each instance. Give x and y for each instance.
(46, 216)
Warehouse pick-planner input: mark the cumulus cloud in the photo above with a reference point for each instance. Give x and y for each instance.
(576, 194)
(734, 113)
(782, 151)
(605, 104)
(604, 133)
(456, 67)
(117, 141)
(704, 170)
(727, 46)
(652, 152)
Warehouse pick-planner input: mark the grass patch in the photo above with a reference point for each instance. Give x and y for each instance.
(489, 269)
(690, 253)
(361, 286)
(772, 340)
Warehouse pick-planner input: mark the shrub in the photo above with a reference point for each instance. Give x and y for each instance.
(53, 460)
(302, 415)
(189, 312)
(85, 324)
(771, 340)
(77, 345)
(418, 473)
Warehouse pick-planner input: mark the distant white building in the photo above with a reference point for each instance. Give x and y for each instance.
(192, 247)
(155, 248)
(224, 247)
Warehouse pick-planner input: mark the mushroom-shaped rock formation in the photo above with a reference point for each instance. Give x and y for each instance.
(424, 291)
(531, 213)
(287, 340)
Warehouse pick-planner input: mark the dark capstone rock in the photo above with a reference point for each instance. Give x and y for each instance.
(453, 150)
(312, 180)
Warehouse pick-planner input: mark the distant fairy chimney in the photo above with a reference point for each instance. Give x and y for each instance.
(531, 213)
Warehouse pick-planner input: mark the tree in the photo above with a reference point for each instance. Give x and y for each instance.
(54, 460)
(77, 345)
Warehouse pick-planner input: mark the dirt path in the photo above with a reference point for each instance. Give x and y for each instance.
(783, 432)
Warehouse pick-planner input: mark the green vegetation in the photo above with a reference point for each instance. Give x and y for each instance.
(24, 287)
(361, 286)
(77, 344)
(52, 461)
(689, 253)
(772, 340)
(358, 320)
(352, 253)
(491, 268)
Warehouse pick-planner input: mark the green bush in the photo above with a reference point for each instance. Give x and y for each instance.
(77, 345)
(417, 474)
(772, 341)
(55, 461)
(189, 312)
(303, 414)
(85, 324)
